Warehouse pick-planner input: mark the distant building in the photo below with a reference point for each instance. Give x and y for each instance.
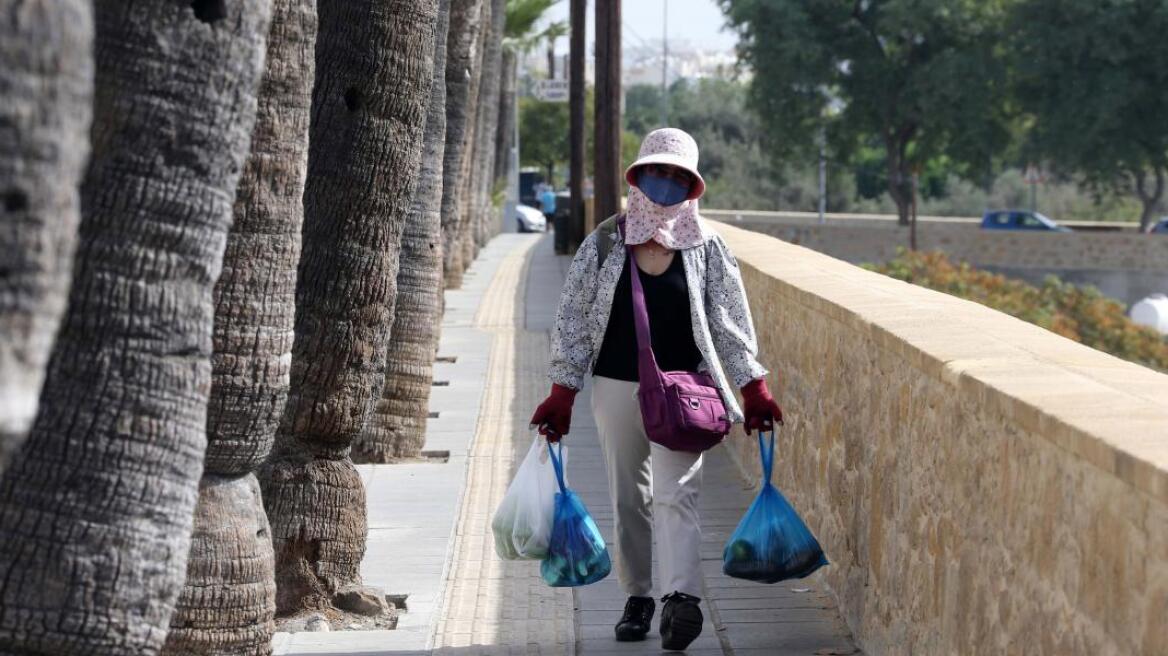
(642, 65)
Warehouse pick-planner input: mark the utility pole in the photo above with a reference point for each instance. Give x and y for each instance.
(912, 226)
(577, 16)
(608, 110)
(822, 139)
(665, 64)
(551, 58)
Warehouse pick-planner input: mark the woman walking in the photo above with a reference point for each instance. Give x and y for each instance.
(699, 322)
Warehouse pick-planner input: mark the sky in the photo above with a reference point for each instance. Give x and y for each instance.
(698, 23)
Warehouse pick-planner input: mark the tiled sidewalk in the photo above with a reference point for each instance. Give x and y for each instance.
(430, 523)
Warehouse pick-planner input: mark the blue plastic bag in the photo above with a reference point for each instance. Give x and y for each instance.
(576, 553)
(771, 543)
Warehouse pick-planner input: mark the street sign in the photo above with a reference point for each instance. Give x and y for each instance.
(1034, 175)
(552, 90)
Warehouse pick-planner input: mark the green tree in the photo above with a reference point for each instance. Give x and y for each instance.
(738, 172)
(869, 166)
(1090, 75)
(642, 108)
(544, 133)
(519, 37)
(920, 77)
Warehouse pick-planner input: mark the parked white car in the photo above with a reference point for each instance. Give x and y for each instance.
(530, 219)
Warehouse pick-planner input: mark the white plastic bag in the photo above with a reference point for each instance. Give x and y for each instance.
(523, 522)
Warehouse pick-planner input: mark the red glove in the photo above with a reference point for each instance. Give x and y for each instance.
(554, 415)
(759, 407)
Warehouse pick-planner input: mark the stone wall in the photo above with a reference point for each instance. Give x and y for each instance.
(1125, 265)
(979, 484)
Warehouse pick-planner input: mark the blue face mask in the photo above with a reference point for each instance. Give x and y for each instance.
(661, 190)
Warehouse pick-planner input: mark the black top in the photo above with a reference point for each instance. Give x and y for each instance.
(667, 302)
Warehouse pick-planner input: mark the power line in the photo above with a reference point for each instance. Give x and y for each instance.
(634, 33)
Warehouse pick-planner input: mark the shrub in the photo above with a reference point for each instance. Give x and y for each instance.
(1079, 313)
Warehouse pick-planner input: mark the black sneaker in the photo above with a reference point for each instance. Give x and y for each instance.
(634, 624)
(681, 621)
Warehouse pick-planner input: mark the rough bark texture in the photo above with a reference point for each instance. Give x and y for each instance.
(485, 214)
(461, 71)
(46, 93)
(97, 505)
(229, 601)
(470, 173)
(374, 61)
(255, 297)
(466, 178)
(397, 428)
(505, 128)
(899, 176)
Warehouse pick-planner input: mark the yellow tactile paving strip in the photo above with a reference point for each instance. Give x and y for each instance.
(493, 606)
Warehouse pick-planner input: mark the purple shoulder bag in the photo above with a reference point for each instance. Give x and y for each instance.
(682, 410)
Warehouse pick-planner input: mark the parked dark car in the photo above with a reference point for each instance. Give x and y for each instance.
(529, 180)
(1019, 220)
(1161, 226)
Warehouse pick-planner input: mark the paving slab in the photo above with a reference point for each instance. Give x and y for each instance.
(430, 522)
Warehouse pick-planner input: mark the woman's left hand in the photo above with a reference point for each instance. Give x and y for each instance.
(760, 407)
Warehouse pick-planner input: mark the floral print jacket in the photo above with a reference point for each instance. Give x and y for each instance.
(722, 326)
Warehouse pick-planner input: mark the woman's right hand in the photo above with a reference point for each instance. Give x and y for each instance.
(554, 415)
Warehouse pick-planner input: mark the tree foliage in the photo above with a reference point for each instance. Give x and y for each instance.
(1091, 77)
(543, 134)
(921, 78)
(522, 15)
(519, 32)
(738, 172)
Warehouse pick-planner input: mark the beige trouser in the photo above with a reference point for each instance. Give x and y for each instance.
(654, 490)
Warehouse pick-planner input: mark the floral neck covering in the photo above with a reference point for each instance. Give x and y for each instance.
(675, 226)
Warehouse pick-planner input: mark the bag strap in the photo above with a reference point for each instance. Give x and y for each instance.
(604, 233)
(645, 355)
(767, 455)
(558, 464)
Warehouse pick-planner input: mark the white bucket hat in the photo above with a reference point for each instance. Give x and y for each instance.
(672, 147)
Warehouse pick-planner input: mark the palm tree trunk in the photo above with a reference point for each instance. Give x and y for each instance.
(397, 428)
(469, 176)
(113, 460)
(486, 131)
(461, 72)
(374, 60)
(505, 132)
(229, 601)
(46, 83)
